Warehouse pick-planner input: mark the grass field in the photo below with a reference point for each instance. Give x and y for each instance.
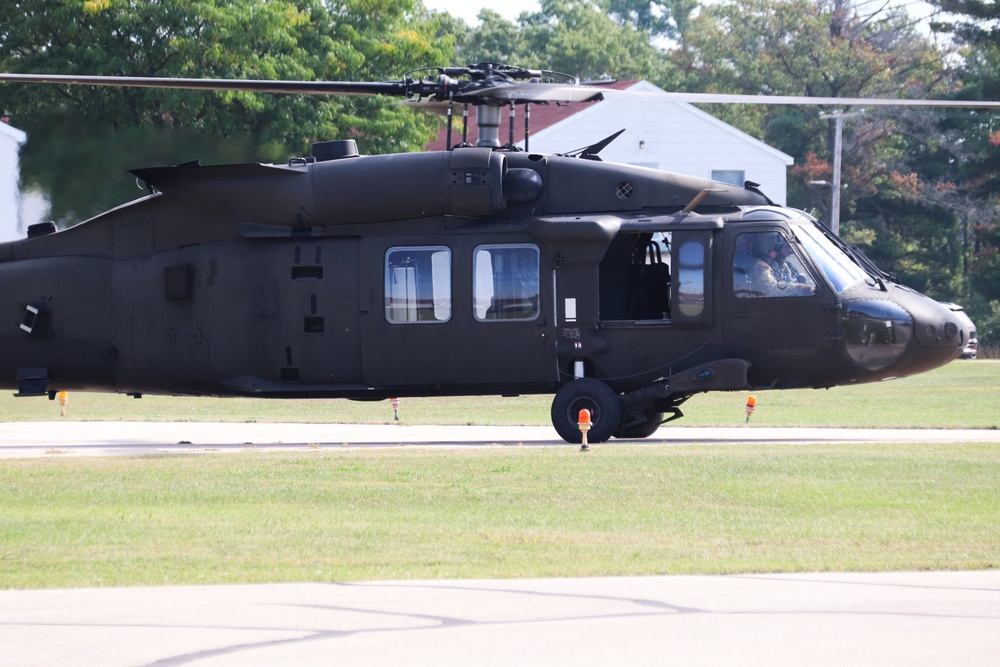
(962, 394)
(347, 514)
(352, 514)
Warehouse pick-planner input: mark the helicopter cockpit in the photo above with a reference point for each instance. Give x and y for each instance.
(885, 327)
(785, 292)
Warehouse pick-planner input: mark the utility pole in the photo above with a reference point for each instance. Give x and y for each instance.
(838, 140)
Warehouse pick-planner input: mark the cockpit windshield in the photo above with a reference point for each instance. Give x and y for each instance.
(838, 267)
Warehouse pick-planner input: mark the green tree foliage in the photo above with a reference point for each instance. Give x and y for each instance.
(670, 18)
(976, 158)
(578, 37)
(495, 40)
(275, 39)
(832, 48)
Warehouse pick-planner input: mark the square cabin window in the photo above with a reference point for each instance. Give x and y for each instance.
(505, 282)
(418, 284)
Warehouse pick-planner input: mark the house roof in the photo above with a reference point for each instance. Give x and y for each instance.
(548, 116)
(17, 135)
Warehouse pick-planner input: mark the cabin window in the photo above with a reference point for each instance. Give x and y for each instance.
(634, 277)
(505, 282)
(691, 274)
(418, 284)
(766, 265)
(648, 280)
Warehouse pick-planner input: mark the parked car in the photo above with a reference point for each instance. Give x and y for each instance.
(972, 344)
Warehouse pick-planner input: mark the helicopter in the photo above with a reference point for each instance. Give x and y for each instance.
(479, 270)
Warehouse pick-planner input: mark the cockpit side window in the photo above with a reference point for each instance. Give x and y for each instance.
(765, 265)
(839, 269)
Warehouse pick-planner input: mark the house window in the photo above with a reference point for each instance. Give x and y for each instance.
(735, 177)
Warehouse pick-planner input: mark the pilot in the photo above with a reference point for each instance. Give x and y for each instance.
(773, 272)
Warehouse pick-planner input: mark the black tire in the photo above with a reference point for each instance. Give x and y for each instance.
(642, 429)
(586, 394)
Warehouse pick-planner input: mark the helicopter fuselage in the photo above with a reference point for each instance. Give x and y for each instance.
(470, 271)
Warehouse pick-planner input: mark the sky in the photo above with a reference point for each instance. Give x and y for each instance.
(468, 9)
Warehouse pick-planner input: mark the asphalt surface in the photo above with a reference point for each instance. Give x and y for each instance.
(914, 619)
(62, 438)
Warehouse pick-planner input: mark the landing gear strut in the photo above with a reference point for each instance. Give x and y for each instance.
(641, 428)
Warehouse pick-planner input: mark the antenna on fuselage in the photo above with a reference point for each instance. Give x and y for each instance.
(698, 198)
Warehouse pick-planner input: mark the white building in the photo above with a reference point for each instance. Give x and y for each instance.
(671, 136)
(10, 200)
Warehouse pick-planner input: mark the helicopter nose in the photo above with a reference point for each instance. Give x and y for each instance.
(905, 334)
(936, 326)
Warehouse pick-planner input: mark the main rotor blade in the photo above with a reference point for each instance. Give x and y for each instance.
(484, 92)
(397, 88)
(724, 98)
(478, 92)
(530, 92)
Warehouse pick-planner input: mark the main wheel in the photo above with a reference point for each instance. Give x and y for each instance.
(586, 394)
(642, 429)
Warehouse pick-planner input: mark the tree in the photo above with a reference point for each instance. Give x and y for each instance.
(577, 37)
(670, 18)
(277, 39)
(495, 40)
(975, 159)
(833, 48)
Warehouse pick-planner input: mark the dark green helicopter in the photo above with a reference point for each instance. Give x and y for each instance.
(474, 271)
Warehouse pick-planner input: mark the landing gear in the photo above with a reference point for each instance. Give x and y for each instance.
(642, 427)
(586, 394)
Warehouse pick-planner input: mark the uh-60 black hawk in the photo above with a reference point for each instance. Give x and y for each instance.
(480, 270)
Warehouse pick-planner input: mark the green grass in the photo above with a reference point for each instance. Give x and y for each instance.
(964, 394)
(350, 514)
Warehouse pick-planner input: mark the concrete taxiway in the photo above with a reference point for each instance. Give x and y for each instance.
(26, 439)
(914, 619)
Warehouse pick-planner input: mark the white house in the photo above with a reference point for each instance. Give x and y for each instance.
(672, 136)
(10, 215)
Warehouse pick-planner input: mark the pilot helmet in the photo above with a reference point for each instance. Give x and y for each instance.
(766, 242)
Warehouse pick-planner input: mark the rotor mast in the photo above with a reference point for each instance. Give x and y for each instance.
(488, 118)
(491, 87)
